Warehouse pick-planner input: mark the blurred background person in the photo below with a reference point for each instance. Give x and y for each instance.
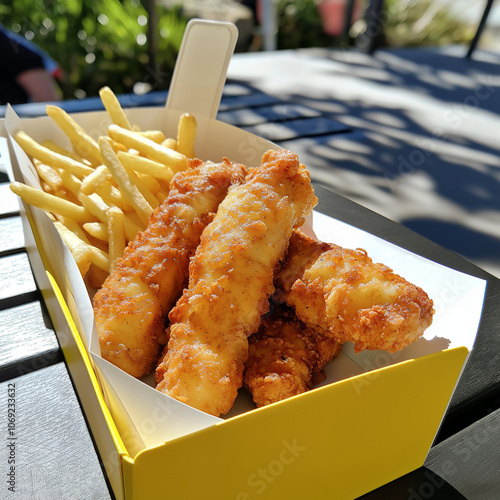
(27, 74)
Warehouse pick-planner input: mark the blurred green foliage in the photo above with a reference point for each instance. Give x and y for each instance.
(99, 42)
(410, 23)
(107, 42)
(299, 25)
(406, 23)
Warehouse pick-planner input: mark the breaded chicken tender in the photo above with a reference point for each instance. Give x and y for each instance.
(286, 357)
(343, 292)
(134, 301)
(230, 282)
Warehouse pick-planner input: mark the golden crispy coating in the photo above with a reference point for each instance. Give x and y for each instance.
(285, 357)
(132, 305)
(343, 292)
(230, 282)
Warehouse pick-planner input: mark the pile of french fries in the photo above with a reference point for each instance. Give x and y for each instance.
(102, 193)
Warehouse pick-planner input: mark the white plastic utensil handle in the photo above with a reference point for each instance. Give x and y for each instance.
(201, 66)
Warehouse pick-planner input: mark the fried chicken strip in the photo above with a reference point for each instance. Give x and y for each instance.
(134, 301)
(230, 282)
(285, 357)
(343, 292)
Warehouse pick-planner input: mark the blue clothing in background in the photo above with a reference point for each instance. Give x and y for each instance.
(16, 56)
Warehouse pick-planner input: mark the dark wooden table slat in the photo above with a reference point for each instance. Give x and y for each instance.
(17, 283)
(235, 95)
(251, 100)
(27, 341)
(8, 201)
(34, 109)
(47, 440)
(11, 235)
(420, 484)
(470, 459)
(301, 127)
(281, 112)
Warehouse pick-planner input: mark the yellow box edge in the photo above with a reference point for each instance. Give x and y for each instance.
(88, 365)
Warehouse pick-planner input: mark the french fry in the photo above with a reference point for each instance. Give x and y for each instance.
(101, 194)
(50, 203)
(117, 146)
(173, 159)
(96, 276)
(111, 195)
(143, 189)
(154, 135)
(131, 228)
(100, 182)
(186, 134)
(161, 196)
(99, 258)
(114, 108)
(71, 183)
(97, 230)
(65, 195)
(134, 218)
(84, 145)
(59, 149)
(48, 174)
(95, 205)
(116, 238)
(170, 143)
(152, 184)
(92, 181)
(101, 245)
(130, 190)
(146, 166)
(74, 227)
(48, 189)
(78, 248)
(49, 157)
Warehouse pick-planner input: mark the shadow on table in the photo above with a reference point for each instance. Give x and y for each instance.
(426, 147)
(443, 73)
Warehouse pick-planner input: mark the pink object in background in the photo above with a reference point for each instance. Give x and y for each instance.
(333, 15)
